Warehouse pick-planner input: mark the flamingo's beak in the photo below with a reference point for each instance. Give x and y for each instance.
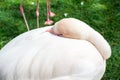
(48, 30)
(52, 31)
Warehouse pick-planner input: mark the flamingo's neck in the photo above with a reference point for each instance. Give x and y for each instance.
(101, 44)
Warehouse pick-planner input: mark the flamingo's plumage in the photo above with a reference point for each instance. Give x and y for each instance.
(40, 55)
(76, 29)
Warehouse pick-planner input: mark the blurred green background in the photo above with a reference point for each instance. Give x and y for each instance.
(102, 15)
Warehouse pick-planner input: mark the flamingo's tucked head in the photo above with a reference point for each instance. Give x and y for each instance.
(70, 28)
(76, 29)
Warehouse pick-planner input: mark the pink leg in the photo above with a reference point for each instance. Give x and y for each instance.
(22, 12)
(48, 10)
(48, 22)
(37, 13)
(51, 14)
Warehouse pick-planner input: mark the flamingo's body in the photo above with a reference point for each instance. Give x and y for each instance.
(40, 55)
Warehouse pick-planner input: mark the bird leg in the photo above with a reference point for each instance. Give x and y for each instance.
(48, 9)
(37, 13)
(48, 22)
(51, 14)
(22, 12)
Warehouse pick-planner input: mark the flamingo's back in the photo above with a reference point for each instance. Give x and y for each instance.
(40, 55)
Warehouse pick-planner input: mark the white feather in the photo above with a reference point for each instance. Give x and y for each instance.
(40, 55)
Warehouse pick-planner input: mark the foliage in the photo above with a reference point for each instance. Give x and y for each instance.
(102, 15)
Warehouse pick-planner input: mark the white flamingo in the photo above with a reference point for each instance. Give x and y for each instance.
(69, 53)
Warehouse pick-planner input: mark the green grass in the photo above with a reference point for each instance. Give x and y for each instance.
(102, 15)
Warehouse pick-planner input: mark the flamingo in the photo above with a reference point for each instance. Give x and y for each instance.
(67, 50)
(49, 14)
